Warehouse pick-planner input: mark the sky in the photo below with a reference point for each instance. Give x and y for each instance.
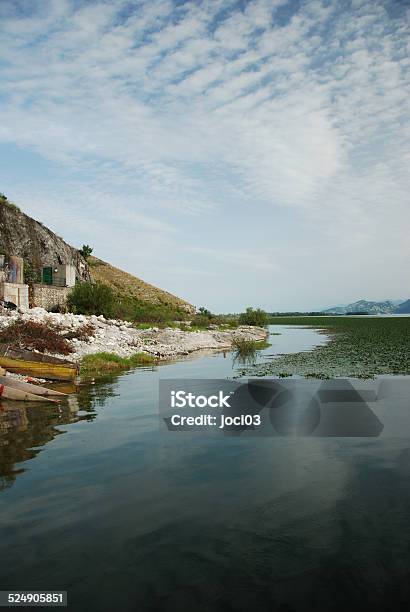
(236, 153)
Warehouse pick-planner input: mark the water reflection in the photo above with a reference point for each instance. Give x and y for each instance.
(125, 518)
(25, 427)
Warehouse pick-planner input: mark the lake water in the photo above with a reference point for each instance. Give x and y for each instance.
(95, 500)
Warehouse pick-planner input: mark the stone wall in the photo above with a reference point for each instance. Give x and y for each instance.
(49, 297)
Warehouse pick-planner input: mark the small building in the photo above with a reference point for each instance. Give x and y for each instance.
(12, 287)
(60, 275)
(57, 280)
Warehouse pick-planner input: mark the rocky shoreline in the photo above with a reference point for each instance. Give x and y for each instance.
(124, 340)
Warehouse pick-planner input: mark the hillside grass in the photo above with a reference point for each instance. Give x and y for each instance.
(6, 202)
(125, 285)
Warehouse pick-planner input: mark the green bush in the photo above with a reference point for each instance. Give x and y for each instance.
(245, 348)
(256, 317)
(88, 298)
(92, 298)
(204, 318)
(6, 202)
(146, 312)
(202, 321)
(32, 273)
(86, 251)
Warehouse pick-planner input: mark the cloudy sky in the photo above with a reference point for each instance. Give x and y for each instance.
(233, 152)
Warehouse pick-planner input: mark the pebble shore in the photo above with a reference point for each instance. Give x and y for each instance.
(123, 339)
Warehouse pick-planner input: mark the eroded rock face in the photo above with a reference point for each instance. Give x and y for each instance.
(23, 236)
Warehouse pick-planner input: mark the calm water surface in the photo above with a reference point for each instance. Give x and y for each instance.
(96, 501)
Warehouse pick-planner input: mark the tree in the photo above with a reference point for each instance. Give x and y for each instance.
(256, 317)
(86, 251)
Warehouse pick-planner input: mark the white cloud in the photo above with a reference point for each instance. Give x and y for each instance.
(204, 107)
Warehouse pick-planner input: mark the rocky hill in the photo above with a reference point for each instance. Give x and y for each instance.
(23, 236)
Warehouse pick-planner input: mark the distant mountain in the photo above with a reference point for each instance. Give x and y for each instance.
(364, 306)
(403, 308)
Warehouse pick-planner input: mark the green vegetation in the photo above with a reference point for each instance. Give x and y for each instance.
(31, 273)
(274, 315)
(246, 351)
(129, 288)
(103, 363)
(92, 298)
(6, 202)
(86, 251)
(204, 319)
(100, 299)
(256, 317)
(146, 312)
(360, 347)
(246, 347)
(143, 326)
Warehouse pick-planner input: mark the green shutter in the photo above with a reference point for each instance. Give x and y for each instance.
(48, 276)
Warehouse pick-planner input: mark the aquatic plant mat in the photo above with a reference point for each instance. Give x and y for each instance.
(360, 347)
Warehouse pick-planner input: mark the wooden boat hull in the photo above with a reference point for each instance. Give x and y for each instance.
(29, 388)
(37, 364)
(17, 395)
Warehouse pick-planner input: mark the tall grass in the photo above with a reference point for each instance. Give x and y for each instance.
(104, 363)
(247, 347)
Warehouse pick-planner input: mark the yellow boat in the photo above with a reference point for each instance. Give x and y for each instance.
(37, 364)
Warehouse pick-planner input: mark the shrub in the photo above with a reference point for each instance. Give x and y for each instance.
(248, 347)
(6, 202)
(82, 333)
(256, 317)
(146, 312)
(98, 298)
(86, 251)
(124, 309)
(36, 336)
(92, 298)
(204, 318)
(200, 320)
(31, 273)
